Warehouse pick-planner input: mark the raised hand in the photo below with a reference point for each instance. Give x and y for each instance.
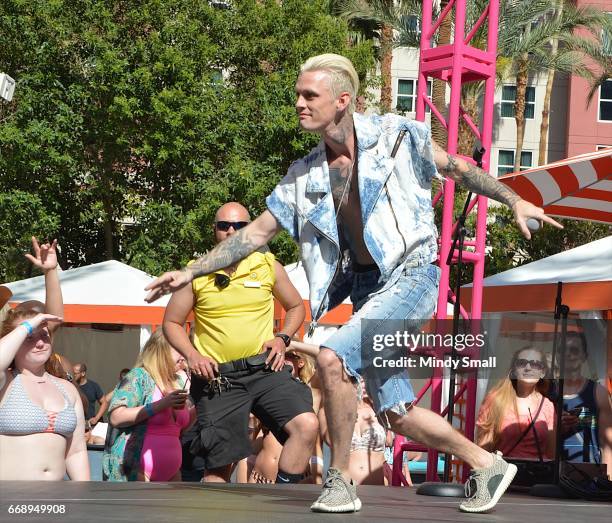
(166, 283)
(45, 256)
(40, 321)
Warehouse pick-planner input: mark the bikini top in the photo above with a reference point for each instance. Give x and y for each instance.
(373, 439)
(19, 415)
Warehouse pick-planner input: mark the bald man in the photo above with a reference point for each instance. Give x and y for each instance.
(238, 363)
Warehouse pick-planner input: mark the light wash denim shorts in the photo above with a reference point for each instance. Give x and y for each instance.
(412, 297)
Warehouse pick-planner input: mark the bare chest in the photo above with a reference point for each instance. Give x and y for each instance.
(345, 191)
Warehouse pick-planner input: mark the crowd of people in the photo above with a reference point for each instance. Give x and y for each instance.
(50, 404)
(242, 401)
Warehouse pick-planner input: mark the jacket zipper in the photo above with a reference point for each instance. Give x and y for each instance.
(396, 146)
(396, 222)
(313, 323)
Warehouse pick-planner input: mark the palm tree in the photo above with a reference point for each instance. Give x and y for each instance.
(526, 30)
(382, 19)
(592, 19)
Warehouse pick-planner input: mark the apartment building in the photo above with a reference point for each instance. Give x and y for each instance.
(575, 126)
(589, 126)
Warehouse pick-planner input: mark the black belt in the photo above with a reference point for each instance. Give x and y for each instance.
(252, 363)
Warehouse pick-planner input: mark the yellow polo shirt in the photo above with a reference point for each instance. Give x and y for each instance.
(233, 323)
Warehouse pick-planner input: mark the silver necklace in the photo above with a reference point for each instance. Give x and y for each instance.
(346, 186)
(38, 379)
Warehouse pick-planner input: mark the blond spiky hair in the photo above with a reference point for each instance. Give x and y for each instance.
(342, 74)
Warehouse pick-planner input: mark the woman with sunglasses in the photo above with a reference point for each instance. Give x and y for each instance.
(148, 412)
(516, 417)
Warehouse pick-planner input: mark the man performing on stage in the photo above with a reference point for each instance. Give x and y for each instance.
(234, 315)
(365, 227)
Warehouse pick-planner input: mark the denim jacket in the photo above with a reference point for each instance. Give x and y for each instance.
(396, 212)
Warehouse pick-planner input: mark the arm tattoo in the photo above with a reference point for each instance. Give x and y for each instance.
(451, 165)
(478, 181)
(235, 248)
(475, 179)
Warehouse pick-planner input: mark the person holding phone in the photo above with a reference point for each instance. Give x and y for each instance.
(148, 411)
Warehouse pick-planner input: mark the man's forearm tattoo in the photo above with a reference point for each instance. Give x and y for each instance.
(475, 179)
(451, 165)
(478, 181)
(228, 252)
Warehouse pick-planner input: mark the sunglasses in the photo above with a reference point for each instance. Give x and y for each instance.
(222, 281)
(224, 226)
(534, 364)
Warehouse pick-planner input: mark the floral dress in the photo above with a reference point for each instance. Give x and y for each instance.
(123, 445)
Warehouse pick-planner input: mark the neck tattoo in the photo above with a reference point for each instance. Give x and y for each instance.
(341, 186)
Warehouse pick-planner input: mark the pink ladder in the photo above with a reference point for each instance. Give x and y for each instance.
(457, 63)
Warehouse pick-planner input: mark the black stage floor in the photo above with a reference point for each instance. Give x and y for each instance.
(196, 503)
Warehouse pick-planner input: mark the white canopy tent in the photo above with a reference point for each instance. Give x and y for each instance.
(523, 299)
(586, 273)
(106, 318)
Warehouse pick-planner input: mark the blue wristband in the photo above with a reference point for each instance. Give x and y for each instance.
(149, 409)
(28, 327)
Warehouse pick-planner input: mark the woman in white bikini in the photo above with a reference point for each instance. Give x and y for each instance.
(42, 428)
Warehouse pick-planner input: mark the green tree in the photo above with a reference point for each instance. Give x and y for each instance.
(585, 17)
(390, 23)
(508, 248)
(134, 120)
(22, 215)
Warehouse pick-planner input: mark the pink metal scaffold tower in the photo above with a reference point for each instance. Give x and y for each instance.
(457, 64)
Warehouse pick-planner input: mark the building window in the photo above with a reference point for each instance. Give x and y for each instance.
(411, 31)
(505, 161)
(411, 23)
(509, 97)
(406, 95)
(605, 101)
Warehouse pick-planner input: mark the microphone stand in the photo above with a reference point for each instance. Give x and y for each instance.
(554, 489)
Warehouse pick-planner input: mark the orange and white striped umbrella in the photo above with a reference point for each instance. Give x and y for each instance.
(579, 187)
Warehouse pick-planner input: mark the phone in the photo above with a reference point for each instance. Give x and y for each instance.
(183, 394)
